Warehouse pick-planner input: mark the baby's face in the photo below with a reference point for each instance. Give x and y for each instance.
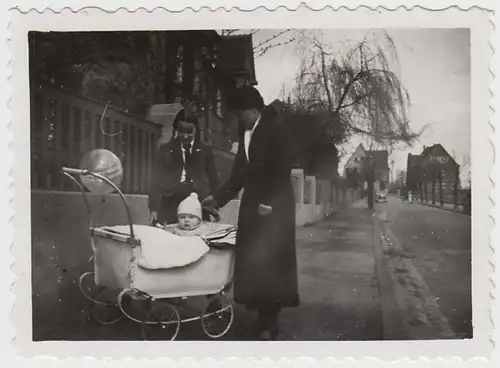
(188, 222)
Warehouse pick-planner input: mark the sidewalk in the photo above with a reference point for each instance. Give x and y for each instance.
(337, 280)
(339, 288)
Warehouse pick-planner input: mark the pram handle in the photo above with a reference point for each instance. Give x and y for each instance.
(72, 171)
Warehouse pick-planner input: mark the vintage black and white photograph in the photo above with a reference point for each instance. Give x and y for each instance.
(221, 184)
(186, 184)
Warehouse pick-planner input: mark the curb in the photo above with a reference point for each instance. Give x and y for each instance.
(393, 327)
(423, 318)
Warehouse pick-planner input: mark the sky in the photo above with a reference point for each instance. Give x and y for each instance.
(433, 65)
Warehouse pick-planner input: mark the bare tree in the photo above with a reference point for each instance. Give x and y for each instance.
(356, 93)
(357, 90)
(277, 39)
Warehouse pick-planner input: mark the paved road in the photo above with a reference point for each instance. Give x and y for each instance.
(438, 242)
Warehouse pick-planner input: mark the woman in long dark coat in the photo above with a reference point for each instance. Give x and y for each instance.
(182, 166)
(265, 274)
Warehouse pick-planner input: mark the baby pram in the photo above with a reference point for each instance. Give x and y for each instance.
(119, 282)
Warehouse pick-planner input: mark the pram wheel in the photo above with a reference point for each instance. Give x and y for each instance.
(103, 309)
(218, 316)
(162, 320)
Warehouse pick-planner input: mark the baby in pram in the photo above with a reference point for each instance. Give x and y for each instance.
(190, 222)
(190, 218)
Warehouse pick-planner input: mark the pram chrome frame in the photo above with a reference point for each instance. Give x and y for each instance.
(220, 307)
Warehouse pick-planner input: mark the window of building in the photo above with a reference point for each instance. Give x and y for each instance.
(218, 102)
(180, 64)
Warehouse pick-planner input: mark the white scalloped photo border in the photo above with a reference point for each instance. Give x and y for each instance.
(134, 15)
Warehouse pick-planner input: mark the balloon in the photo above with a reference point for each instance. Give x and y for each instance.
(105, 163)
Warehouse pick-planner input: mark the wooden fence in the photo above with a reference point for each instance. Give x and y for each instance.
(437, 195)
(64, 126)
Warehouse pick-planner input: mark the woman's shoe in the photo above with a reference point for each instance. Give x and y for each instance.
(269, 335)
(271, 330)
(256, 328)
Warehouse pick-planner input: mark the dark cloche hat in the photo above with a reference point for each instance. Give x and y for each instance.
(245, 98)
(187, 114)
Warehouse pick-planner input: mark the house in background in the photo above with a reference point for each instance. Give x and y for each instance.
(237, 59)
(381, 166)
(355, 162)
(433, 171)
(413, 173)
(355, 166)
(129, 84)
(217, 65)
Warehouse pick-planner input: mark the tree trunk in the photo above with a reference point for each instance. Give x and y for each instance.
(426, 195)
(455, 195)
(434, 191)
(441, 190)
(455, 191)
(370, 181)
(370, 196)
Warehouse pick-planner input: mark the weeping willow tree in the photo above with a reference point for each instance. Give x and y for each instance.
(355, 92)
(356, 89)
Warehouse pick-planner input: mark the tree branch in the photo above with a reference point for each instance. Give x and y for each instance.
(358, 87)
(356, 100)
(269, 47)
(324, 76)
(347, 88)
(229, 32)
(272, 38)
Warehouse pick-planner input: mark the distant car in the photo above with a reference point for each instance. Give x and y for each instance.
(381, 197)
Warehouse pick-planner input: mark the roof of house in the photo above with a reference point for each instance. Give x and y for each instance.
(418, 162)
(236, 56)
(428, 150)
(380, 158)
(352, 162)
(414, 160)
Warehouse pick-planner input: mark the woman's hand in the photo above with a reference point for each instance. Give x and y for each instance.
(153, 217)
(210, 214)
(265, 210)
(209, 203)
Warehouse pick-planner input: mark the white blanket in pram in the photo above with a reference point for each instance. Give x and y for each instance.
(161, 249)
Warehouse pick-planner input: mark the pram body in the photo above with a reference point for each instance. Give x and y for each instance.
(116, 268)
